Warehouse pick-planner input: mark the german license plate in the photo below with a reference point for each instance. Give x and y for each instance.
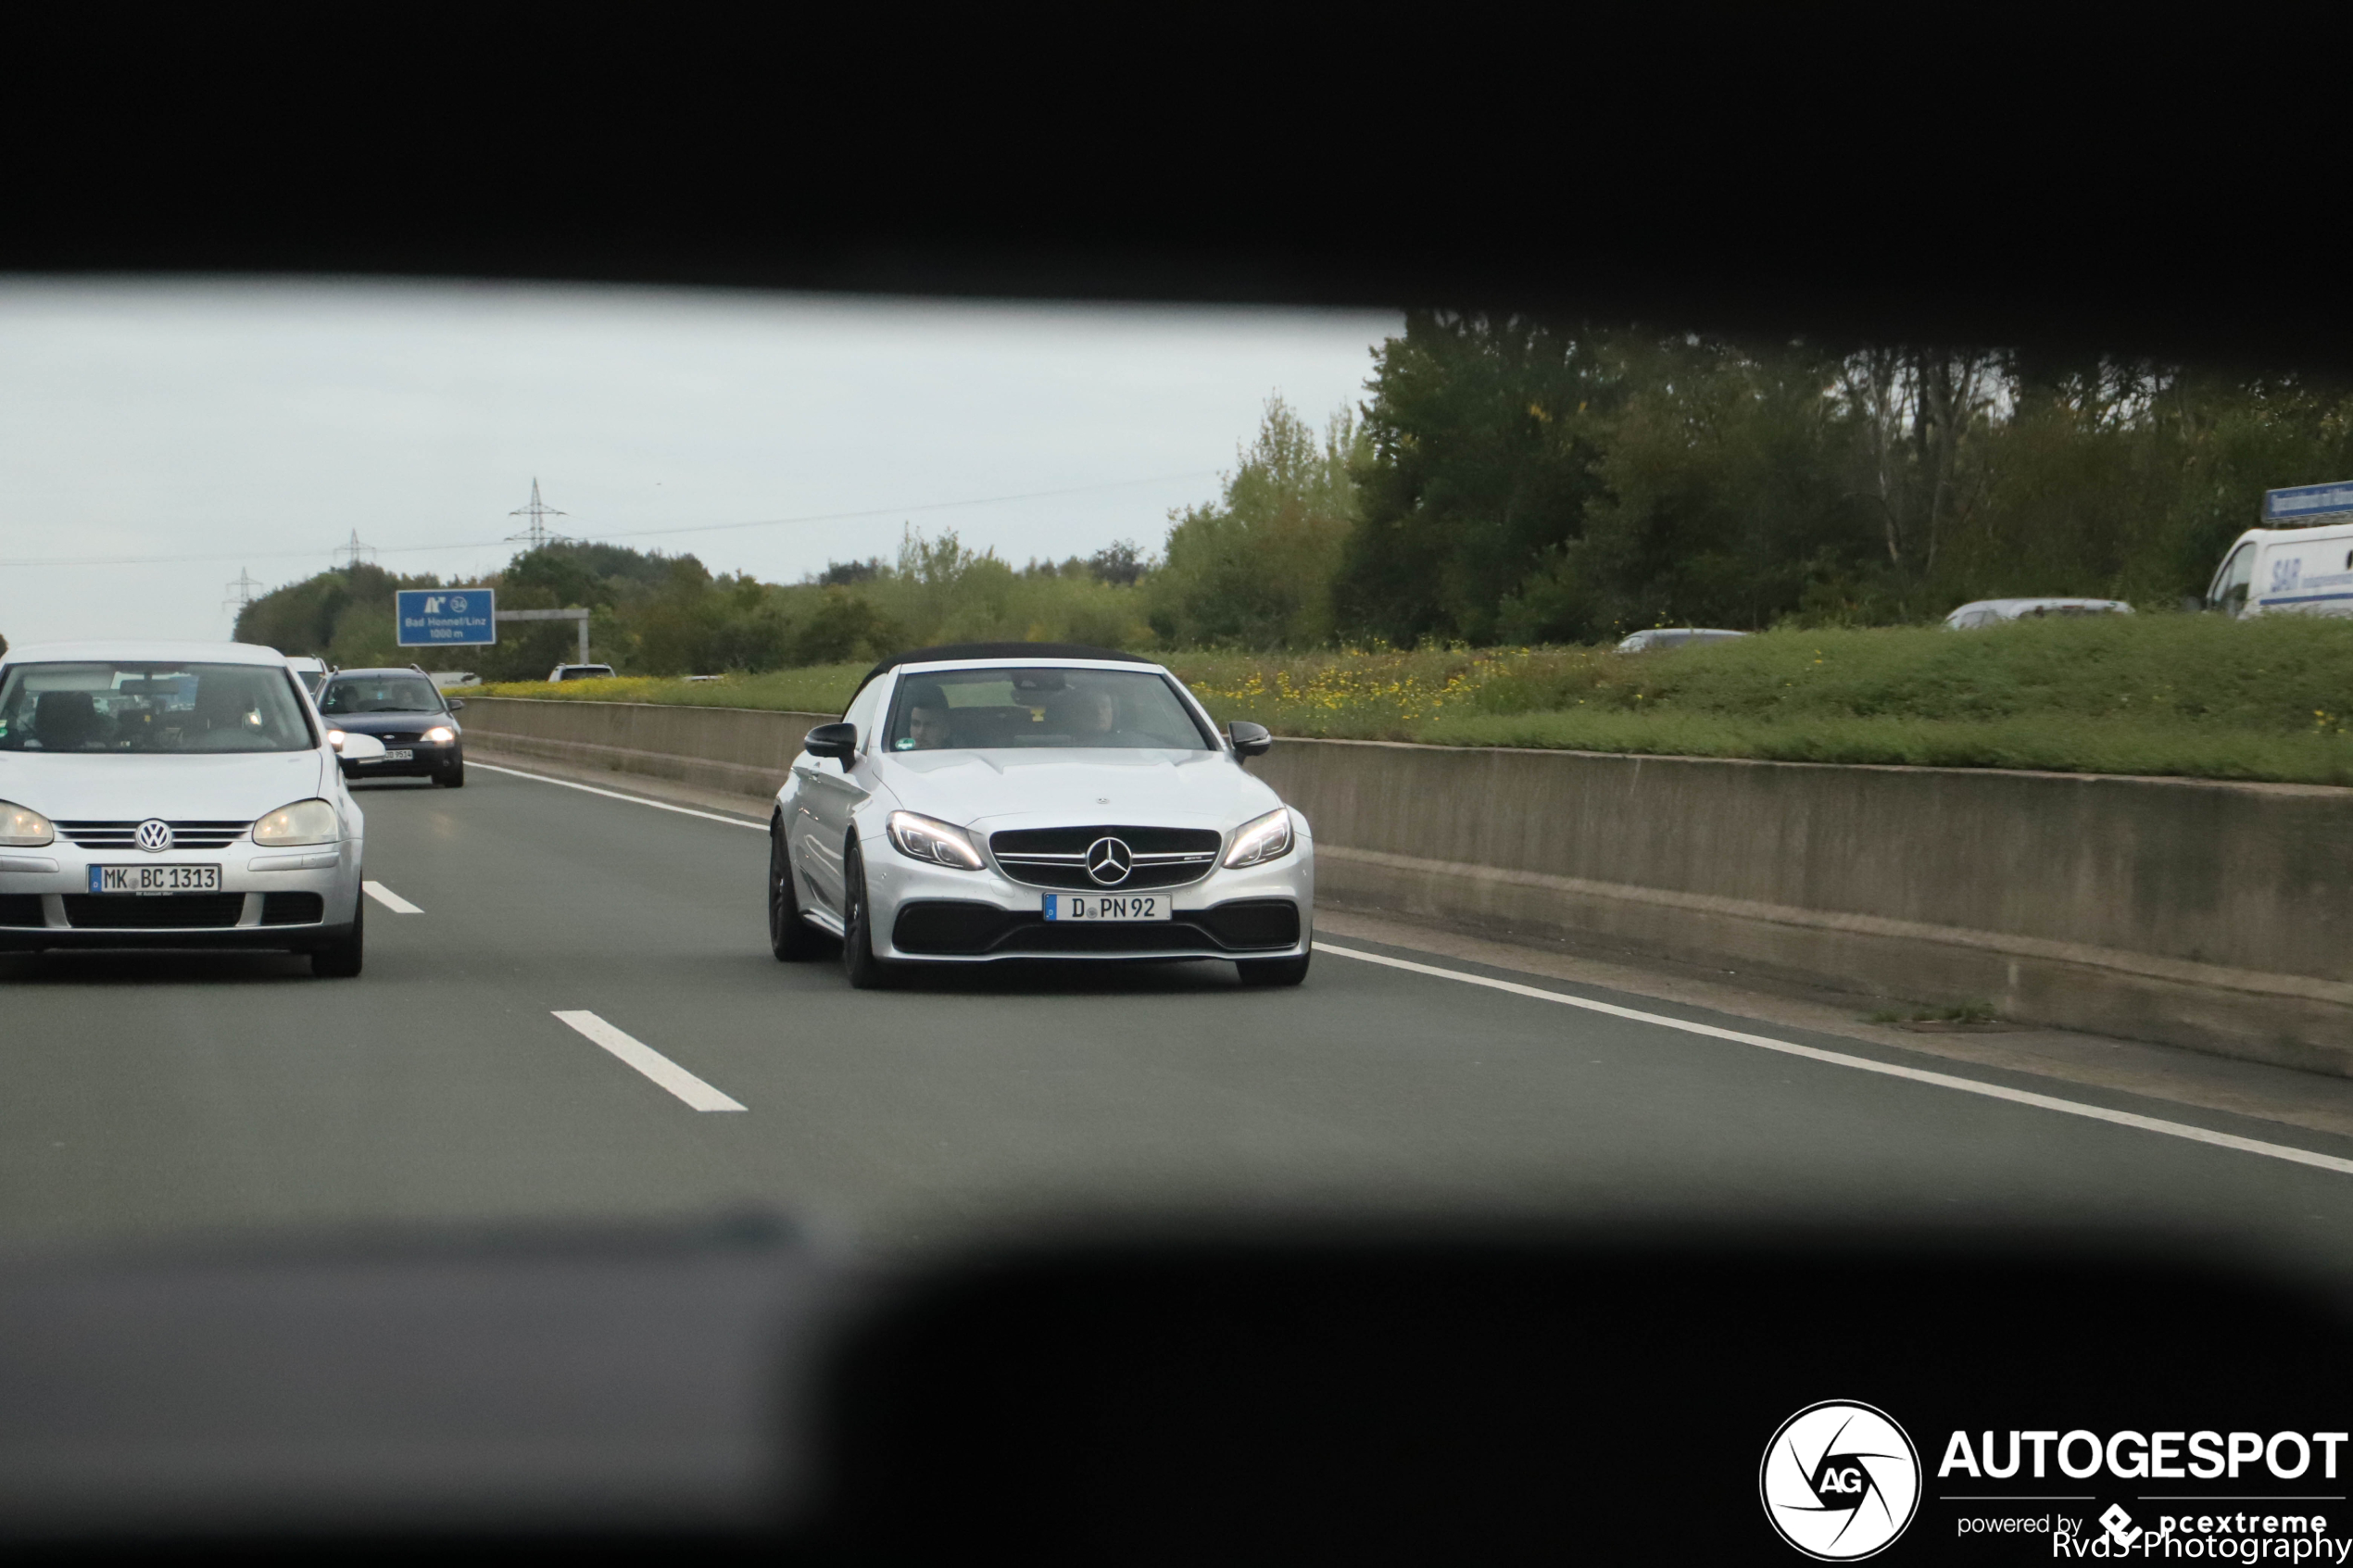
(154, 879)
(390, 757)
(1107, 906)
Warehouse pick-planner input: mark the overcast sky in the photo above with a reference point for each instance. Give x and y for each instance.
(255, 426)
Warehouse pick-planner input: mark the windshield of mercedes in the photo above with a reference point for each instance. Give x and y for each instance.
(150, 708)
(978, 709)
(379, 693)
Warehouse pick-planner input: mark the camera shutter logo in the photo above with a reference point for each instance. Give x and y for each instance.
(1840, 1480)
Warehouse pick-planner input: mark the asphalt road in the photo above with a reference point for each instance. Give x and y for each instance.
(170, 1094)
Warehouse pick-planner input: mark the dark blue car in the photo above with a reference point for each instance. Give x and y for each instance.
(402, 708)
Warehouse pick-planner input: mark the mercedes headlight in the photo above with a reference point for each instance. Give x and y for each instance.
(305, 821)
(1262, 839)
(23, 828)
(922, 838)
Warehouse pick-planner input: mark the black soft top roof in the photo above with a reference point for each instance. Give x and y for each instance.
(1000, 650)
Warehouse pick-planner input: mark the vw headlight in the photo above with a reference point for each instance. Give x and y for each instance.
(440, 734)
(23, 828)
(1262, 839)
(922, 838)
(305, 821)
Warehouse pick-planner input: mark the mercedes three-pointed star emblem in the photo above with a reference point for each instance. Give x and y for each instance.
(1109, 861)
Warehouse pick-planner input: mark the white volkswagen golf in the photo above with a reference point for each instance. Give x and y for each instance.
(1032, 800)
(174, 795)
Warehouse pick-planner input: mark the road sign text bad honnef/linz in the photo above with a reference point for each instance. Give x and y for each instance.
(440, 617)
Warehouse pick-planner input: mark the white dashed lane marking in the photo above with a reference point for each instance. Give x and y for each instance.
(650, 1062)
(389, 899)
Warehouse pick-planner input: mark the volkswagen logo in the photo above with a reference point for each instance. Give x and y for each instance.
(155, 835)
(1109, 861)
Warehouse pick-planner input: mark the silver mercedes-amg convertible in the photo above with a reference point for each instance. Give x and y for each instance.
(1035, 800)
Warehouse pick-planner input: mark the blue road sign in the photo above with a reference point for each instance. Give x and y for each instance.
(445, 617)
(2305, 502)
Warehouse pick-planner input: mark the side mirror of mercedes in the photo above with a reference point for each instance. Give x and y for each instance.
(836, 741)
(1249, 740)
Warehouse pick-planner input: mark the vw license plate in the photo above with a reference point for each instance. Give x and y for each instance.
(1107, 906)
(154, 879)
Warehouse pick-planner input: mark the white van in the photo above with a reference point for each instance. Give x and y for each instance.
(2287, 571)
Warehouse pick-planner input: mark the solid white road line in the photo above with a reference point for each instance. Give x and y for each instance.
(389, 899)
(650, 1062)
(633, 800)
(1865, 1065)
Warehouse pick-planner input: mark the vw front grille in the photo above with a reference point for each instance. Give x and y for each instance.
(125, 836)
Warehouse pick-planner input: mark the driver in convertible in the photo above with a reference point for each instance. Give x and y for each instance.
(927, 719)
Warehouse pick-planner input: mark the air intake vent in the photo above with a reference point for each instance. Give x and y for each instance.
(175, 911)
(293, 908)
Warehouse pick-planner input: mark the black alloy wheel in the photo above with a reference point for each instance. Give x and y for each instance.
(790, 937)
(1273, 971)
(866, 972)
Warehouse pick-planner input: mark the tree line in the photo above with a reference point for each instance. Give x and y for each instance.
(1514, 480)
(1508, 480)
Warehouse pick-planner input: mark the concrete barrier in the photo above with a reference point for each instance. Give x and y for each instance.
(2213, 915)
(745, 751)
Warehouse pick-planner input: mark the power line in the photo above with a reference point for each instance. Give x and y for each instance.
(240, 592)
(353, 552)
(634, 533)
(537, 536)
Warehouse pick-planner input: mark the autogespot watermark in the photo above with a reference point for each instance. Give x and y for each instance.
(2186, 1526)
(1840, 1480)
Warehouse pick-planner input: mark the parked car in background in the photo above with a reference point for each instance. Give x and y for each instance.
(1992, 612)
(580, 672)
(1675, 637)
(445, 679)
(417, 726)
(2287, 571)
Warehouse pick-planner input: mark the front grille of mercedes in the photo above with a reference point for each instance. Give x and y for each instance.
(1057, 857)
(125, 836)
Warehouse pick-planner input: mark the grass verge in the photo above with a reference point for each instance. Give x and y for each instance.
(2190, 695)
